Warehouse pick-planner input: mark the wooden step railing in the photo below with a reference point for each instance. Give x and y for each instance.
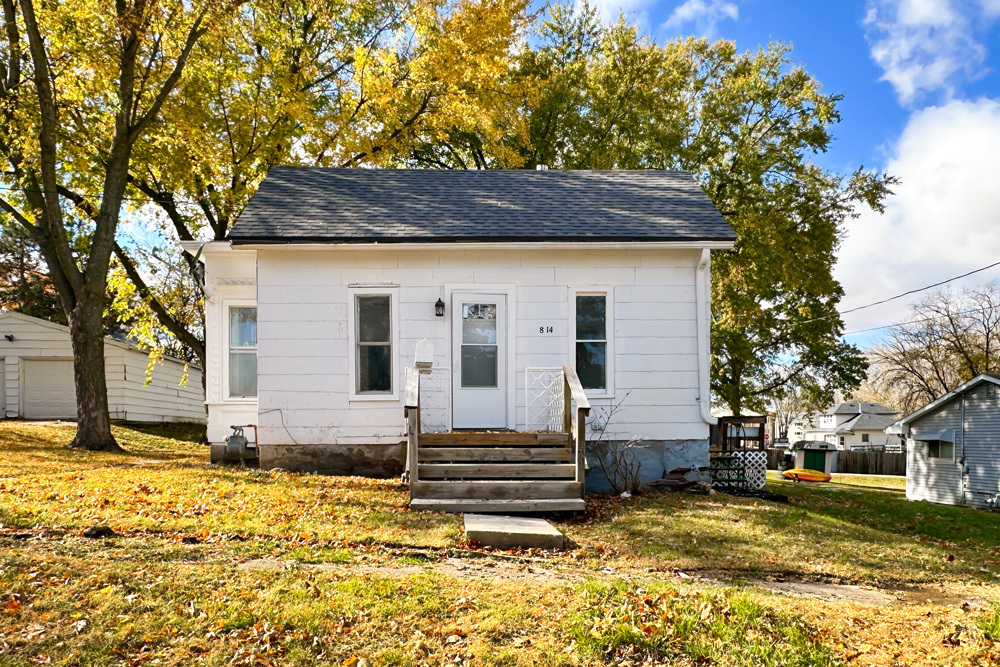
(576, 408)
(575, 421)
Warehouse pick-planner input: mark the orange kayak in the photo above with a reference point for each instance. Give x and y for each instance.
(805, 475)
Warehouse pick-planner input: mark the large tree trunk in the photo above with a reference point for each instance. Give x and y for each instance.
(93, 426)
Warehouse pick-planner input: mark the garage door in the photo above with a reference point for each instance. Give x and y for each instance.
(49, 392)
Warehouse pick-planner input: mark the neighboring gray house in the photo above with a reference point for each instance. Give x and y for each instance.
(855, 426)
(953, 446)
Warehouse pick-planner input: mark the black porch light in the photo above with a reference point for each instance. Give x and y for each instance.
(439, 308)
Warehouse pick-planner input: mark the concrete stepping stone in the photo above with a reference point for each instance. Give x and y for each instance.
(507, 532)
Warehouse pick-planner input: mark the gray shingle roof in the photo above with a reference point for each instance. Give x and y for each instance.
(867, 408)
(313, 205)
(867, 422)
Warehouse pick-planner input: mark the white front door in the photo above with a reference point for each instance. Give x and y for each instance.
(479, 360)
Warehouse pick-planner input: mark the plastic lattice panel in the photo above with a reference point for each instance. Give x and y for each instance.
(543, 399)
(756, 468)
(435, 401)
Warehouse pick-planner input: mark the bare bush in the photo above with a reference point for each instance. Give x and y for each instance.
(617, 458)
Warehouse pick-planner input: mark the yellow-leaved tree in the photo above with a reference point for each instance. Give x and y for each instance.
(333, 83)
(82, 82)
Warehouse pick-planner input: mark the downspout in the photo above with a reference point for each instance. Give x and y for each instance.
(701, 295)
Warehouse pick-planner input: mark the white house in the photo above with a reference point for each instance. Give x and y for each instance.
(330, 279)
(855, 426)
(953, 446)
(36, 369)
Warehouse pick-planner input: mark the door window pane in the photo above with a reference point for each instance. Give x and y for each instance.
(591, 363)
(242, 352)
(374, 369)
(373, 344)
(374, 320)
(479, 323)
(590, 317)
(479, 366)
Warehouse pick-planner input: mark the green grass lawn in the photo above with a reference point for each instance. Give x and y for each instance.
(370, 583)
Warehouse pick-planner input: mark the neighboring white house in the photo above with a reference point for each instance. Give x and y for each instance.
(36, 369)
(331, 277)
(953, 446)
(855, 426)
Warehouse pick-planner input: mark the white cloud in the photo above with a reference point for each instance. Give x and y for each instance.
(928, 45)
(703, 15)
(944, 219)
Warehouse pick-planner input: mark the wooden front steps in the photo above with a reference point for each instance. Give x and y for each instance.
(435, 471)
(497, 490)
(499, 506)
(498, 471)
(493, 439)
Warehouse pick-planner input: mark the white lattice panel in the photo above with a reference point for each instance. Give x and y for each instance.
(543, 399)
(435, 401)
(755, 463)
(756, 468)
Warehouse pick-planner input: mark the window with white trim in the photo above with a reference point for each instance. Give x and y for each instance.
(373, 341)
(591, 340)
(242, 352)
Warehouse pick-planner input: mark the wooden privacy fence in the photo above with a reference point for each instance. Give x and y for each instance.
(858, 463)
(774, 457)
(872, 463)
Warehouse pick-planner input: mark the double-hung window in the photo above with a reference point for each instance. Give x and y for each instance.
(374, 359)
(242, 352)
(591, 341)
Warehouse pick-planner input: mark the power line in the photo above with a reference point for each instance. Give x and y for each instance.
(917, 321)
(900, 296)
(921, 289)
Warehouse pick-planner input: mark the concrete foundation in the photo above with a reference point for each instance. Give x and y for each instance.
(654, 456)
(508, 532)
(360, 460)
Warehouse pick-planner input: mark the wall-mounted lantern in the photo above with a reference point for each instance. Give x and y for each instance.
(9, 337)
(439, 308)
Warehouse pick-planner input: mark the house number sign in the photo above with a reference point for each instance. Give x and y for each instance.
(544, 330)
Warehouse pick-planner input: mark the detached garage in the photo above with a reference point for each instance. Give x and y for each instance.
(36, 377)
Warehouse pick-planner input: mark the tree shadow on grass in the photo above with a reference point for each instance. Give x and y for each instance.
(873, 537)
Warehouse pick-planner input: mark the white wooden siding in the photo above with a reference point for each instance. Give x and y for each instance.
(125, 369)
(304, 354)
(231, 279)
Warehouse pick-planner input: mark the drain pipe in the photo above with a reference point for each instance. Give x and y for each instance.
(701, 286)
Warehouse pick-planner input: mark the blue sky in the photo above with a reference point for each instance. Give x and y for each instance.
(921, 87)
